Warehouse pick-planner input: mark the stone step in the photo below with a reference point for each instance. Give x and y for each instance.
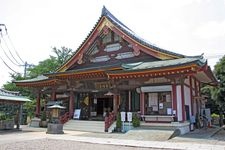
(157, 126)
(89, 126)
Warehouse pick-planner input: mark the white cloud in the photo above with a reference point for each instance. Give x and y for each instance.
(211, 29)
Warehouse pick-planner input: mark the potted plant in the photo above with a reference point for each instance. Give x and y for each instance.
(118, 122)
(43, 122)
(135, 121)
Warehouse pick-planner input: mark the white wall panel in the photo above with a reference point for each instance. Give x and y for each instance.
(179, 103)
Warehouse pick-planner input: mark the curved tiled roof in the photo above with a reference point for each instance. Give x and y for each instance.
(133, 35)
(106, 13)
(11, 96)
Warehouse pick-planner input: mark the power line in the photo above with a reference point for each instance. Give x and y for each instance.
(6, 31)
(8, 65)
(10, 51)
(15, 49)
(8, 56)
(24, 63)
(15, 60)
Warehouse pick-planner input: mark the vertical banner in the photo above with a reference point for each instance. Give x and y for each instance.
(129, 116)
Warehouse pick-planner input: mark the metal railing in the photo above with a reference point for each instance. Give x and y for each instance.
(109, 119)
(64, 118)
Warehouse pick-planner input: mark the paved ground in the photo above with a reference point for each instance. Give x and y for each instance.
(36, 138)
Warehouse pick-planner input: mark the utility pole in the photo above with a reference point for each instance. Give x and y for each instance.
(26, 66)
(25, 70)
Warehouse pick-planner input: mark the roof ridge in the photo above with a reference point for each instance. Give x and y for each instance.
(107, 13)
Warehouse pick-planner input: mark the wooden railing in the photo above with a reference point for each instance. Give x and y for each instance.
(109, 119)
(64, 118)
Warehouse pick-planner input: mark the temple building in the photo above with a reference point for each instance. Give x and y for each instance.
(116, 70)
(11, 114)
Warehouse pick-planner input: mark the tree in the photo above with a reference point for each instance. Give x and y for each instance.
(46, 66)
(63, 54)
(51, 64)
(218, 93)
(211, 103)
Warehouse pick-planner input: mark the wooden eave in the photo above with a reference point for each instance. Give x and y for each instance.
(48, 82)
(93, 74)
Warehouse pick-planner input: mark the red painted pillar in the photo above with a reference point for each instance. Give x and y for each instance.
(174, 95)
(53, 96)
(71, 104)
(38, 105)
(183, 102)
(142, 98)
(191, 95)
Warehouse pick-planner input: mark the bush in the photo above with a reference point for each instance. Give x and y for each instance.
(135, 121)
(215, 115)
(118, 121)
(43, 116)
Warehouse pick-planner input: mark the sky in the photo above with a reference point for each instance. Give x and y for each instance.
(189, 27)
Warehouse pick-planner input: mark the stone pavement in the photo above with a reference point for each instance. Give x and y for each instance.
(177, 143)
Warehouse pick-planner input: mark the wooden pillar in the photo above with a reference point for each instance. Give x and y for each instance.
(142, 98)
(53, 96)
(129, 99)
(183, 102)
(38, 104)
(20, 116)
(71, 104)
(174, 95)
(115, 103)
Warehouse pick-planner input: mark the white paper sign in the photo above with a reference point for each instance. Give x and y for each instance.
(123, 116)
(129, 116)
(77, 114)
(169, 111)
(160, 105)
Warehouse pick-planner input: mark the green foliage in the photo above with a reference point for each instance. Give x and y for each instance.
(135, 121)
(10, 86)
(43, 116)
(215, 115)
(63, 54)
(30, 108)
(211, 103)
(118, 121)
(51, 64)
(46, 66)
(218, 93)
(2, 116)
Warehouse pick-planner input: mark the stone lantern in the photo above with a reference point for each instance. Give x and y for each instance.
(55, 127)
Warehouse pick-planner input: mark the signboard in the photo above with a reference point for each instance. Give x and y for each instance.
(162, 88)
(129, 116)
(123, 116)
(76, 114)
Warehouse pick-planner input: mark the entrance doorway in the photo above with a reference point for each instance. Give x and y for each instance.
(104, 105)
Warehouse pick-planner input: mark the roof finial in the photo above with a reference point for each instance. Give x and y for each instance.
(104, 10)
